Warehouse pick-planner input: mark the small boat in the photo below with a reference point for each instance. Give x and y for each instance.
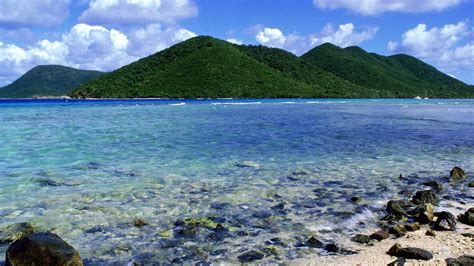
(417, 98)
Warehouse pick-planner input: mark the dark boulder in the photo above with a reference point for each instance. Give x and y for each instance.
(398, 262)
(423, 214)
(314, 242)
(360, 238)
(425, 196)
(457, 173)
(395, 208)
(445, 222)
(412, 227)
(470, 184)
(465, 260)
(15, 231)
(380, 235)
(398, 230)
(42, 249)
(250, 256)
(434, 185)
(409, 253)
(467, 217)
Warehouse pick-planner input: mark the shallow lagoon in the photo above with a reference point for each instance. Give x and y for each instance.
(86, 169)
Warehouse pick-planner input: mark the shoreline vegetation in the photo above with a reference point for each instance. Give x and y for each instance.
(411, 233)
(206, 67)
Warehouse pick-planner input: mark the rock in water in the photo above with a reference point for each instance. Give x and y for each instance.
(314, 242)
(395, 208)
(42, 249)
(467, 217)
(251, 256)
(434, 185)
(425, 196)
(409, 253)
(423, 214)
(445, 222)
(15, 231)
(360, 238)
(457, 174)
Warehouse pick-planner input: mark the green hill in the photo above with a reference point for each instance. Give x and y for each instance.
(51, 80)
(208, 67)
(199, 67)
(399, 75)
(298, 69)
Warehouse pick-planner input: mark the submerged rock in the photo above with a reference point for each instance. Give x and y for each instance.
(271, 250)
(465, 260)
(139, 222)
(42, 249)
(380, 235)
(247, 164)
(445, 222)
(457, 174)
(409, 253)
(467, 217)
(250, 256)
(425, 196)
(398, 208)
(434, 185)
(314, 242)
(15, 231)
(356, 200)
(360, 238)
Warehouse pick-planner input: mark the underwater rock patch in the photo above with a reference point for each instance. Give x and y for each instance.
(250, 256)
(16, 231)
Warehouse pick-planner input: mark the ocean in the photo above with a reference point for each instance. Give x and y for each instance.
(263, 169)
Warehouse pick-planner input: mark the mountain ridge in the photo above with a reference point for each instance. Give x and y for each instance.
(47, 81)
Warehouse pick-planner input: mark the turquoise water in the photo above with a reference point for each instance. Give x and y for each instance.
(86, 169)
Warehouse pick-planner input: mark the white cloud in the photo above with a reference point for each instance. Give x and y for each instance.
(137, 12)
(89, 47)
(345, 35)
(375, 7)
(271, 37)
(235, 41)
(20, 13)
(153, 38)
(448, 47)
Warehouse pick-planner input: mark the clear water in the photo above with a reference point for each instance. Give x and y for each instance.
(86, 169)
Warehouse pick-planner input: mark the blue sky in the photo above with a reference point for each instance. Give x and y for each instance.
(107, 34)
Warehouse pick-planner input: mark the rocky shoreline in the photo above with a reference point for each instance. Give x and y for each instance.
(411, 232)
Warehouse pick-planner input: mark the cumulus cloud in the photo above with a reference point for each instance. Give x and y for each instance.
(137, 12)
(375, 7)
(153, 37)
(449, 47)
(21, 13)
(271, 37)
(89, 47)
(344, 35)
